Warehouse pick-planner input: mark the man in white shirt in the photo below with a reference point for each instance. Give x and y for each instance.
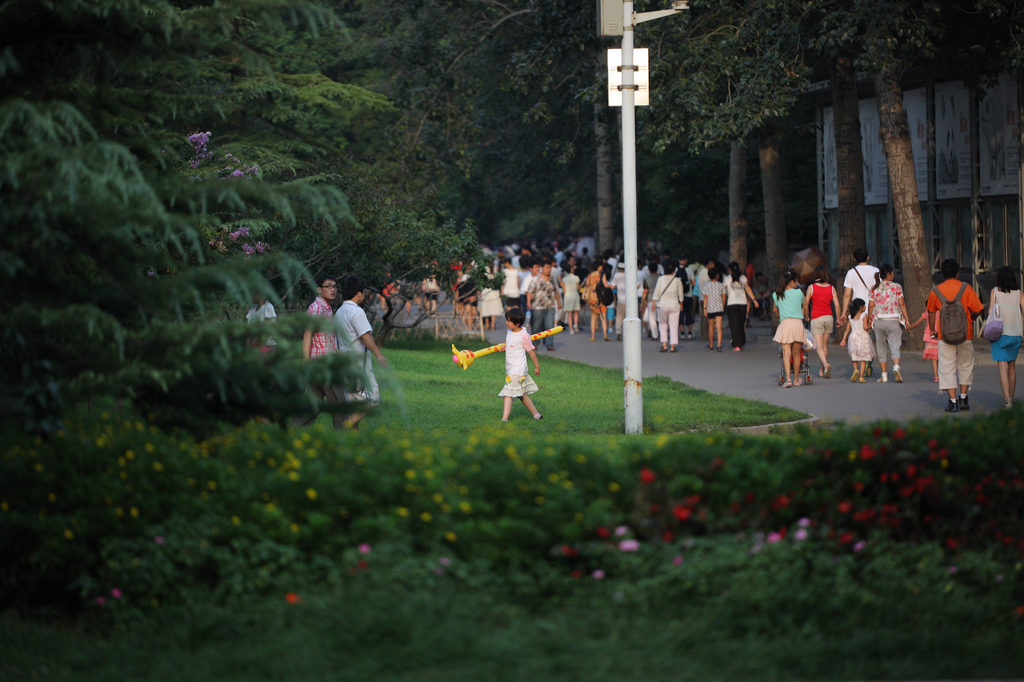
(859, 280)
(356, 337)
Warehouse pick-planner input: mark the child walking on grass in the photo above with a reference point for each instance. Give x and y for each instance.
(518, 383)
(931, 346)
(861, 349)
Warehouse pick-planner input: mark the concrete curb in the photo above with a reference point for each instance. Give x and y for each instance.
(781, 427)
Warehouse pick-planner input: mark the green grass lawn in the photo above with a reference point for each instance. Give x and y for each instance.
(390, 635)
(423, 389)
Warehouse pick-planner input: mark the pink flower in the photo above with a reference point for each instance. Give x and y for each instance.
(773, 538)
(598, 574)
(800, 535)
(115, 593)
(629, 545)
(438, 570)
(159, 539)
(365, 548)
(444, 561)
(952, 570)
(804, 522)
(100, 601)
(859, 546)
(621, 530)
(678, 561)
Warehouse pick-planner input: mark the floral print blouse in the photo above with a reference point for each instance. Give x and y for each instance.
(887, 299)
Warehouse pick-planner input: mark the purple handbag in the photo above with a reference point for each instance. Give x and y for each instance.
(993, 325)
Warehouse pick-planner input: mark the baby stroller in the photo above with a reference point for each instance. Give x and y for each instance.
(799, 360)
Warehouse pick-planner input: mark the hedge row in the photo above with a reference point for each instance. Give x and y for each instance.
(118, 506)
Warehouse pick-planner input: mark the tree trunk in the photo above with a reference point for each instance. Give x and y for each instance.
(899, 160)
(774, 213)
(605, 198)
(849, 161)
(738, 205)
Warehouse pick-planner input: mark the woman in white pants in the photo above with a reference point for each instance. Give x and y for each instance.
(668, 299)
(885, 308)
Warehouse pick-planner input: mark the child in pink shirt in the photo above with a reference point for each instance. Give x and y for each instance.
(931, 346)
(518, 383)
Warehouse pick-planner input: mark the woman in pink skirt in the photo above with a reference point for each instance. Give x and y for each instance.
(789, 306)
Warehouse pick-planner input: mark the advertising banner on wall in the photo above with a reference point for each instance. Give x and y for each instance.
(916, 104)
(876, 173)
(998, 130)
(952, 142)
(830, 181)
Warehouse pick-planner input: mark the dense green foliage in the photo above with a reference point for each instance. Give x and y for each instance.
(165, 519)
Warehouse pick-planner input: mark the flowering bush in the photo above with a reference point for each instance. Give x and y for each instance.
(119, 504)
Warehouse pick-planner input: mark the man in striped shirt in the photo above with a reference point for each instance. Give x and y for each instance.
(318, 344)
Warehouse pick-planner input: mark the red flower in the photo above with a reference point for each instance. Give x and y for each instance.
(899, 434)
(569, 551)
(884, 477)
(647, 476)
(576, 574)
(912, 470)
(292, 598)
(693, 501)
(667, 536)
(932, 444)
(734, 507)
(749, 497)
(845, 507)
(602, 532)
(858, 486)
(895, 476)
(878, 432)
(655, 508)
(1019, 611)
(783, 501)
(890, 508)
(362, 564)
(846, 538)
(680, 512)
(951, 543)
(717, 463)
(783, 532)
(867, 452)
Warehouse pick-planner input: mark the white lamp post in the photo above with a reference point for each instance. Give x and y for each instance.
(633, 397)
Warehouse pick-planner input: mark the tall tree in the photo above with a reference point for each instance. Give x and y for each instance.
(774, 208)
(738, 203)
(849, 159)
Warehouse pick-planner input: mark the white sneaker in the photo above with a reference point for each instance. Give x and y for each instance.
(884, 379)
(896, 373)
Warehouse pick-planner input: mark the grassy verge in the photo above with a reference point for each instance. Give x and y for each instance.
(423, 390)
(447, 634)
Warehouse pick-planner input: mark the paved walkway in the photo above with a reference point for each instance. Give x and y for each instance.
(753, 373)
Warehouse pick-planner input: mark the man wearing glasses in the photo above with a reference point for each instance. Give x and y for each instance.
(317, 344)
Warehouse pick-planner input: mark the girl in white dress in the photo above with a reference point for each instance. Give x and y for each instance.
(571, 301)
(518, 383)
(860, 347)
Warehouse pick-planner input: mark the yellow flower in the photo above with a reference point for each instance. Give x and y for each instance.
(293, 527)
(402, 511)
(51, 497)
(428, 474)
(298, 444)
(450, 536)
(124, 476)
(68, 534)
(310, 493)
(578, 516)
(149, 447)
(212, 485)
(270, 506)
(39, 468)
(235, 520)
(293, 475)
(426, 517)
(4, 506)
(539, 499)
(508, 379)
(581, 459)
(410, 474)
(464, 506)
(553, 478)
(134, 511)
(438, 498)
(158, 466)
(852, 456)
(119, 511)
(614, 487)
(944, 463)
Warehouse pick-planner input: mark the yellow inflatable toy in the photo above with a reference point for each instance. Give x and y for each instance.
(465, 358)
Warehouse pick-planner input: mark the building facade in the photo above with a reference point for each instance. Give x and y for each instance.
(967, 156)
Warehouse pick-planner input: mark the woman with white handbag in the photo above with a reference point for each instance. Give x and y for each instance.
(1005, 306)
